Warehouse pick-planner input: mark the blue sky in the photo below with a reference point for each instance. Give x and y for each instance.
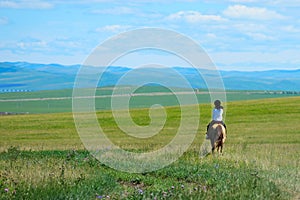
(236, 34)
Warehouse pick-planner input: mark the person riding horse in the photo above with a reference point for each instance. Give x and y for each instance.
(217, 116)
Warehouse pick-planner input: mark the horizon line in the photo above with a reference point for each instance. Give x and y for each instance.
(187, 67)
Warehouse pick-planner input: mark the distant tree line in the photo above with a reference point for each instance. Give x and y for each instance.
(14, 90)
(13, 113)
(282, 92)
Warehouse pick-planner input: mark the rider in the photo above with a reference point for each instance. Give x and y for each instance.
(217, 115)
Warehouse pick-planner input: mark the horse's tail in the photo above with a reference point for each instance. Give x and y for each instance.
(221, 132)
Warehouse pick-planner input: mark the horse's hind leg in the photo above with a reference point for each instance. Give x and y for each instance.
(212, 150)
(221, 149)
(213, 147)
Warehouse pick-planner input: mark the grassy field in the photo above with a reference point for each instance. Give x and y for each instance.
(57, 101)
(42, 157)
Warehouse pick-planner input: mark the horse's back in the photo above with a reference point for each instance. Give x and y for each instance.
(217, 129)
(216, 126)
(217, 136)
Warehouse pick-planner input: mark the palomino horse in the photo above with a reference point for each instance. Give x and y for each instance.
(217, 136)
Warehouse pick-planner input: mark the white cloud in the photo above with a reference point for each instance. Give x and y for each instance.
(244, 12)
(66, 43)
(194, 17)
(3, 20)
(25, 4)
(286, 3)
(32, 45)
(290, 29)
(243, 1)
(115, 11)
(278, 3)
(250, 27)
(260, 36)
(211, 35)
(29, 45)
(255, 31)
(24, 45)
(113, 28)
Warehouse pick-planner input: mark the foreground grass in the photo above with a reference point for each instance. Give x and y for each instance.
(76, 175)
(42, 157)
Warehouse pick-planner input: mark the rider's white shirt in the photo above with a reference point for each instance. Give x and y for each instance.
(217, 114)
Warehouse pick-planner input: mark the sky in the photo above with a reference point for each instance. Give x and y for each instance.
(243, 35)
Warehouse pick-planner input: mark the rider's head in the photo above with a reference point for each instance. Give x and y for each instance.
(217, 103)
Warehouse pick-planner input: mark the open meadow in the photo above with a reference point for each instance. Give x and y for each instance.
(42, 156)
(58, 101)
(126, 99)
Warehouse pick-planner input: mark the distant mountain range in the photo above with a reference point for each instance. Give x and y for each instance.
(23, 76)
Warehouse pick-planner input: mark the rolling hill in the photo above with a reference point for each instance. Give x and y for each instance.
(23, 76)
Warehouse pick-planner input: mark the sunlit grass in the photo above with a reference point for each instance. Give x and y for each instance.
(47, 159)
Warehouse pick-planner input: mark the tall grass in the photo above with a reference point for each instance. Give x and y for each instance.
(76, 175)
(43, 158)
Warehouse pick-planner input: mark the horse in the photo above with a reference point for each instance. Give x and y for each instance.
(217, 136)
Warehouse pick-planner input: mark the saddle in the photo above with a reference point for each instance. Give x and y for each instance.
(216, 122)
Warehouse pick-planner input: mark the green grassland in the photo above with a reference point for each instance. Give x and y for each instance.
(42, 156)
(57, 101)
